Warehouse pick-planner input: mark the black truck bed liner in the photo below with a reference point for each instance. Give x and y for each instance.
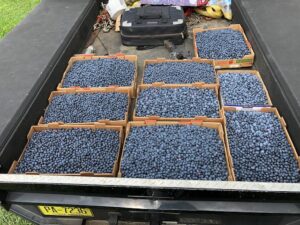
(275, 40)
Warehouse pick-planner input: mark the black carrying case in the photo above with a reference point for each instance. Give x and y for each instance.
(152, 25)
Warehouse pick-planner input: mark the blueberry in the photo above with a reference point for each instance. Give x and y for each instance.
(174, 152)
(259, 148)
(179, 72)
(86, 107)
(100, 73)
(177, 102)
(221, 44)
(244, 90)
(70, 151)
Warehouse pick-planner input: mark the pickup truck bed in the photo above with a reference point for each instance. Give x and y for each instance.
(24, 91)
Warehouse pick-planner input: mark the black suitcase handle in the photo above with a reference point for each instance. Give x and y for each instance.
(153, 12)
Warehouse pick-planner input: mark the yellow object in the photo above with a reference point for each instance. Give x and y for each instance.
(133, 3)
(136, 4)
(213, 11)
(216, 8)
(65, 211)
(228, 15)
(225, 6)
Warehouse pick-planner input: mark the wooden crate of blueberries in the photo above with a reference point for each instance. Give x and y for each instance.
(108, 105)
(101, 71)
(189, 122)
(177, 102)
(175, 150)
(260, 145)
(188, 71)
(227, 46)
(242, 88)
(72, 150)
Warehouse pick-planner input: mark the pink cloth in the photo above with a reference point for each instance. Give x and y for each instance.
(175, 2)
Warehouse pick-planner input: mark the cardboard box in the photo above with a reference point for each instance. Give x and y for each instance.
(246, 61)
(258, 109)
(195, 60)
(217, 126)
(254, 73)
(93, 90)
(95, 126)
(200, 117)
(76, 58)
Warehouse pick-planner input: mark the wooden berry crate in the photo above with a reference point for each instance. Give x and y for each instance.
(76, 58)
(93, 90)
(163, 60)
(246, 61)
(196, 85)
(211, 125)
(54, 126)
(254, 73)
(258, 109)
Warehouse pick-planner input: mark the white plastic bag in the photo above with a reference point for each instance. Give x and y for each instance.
(115, 8)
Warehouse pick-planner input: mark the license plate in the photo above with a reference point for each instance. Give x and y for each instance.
(65, 211)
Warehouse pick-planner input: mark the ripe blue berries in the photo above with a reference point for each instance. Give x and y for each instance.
(174, 152)
(179, 73)
(71, 151)
(86, 107)
(100, 73)
(242, 89)
(177, 102)
(221, 44)
(259, 148)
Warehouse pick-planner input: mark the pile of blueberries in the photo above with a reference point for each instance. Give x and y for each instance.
(100, 73)
(86, 107)
(179, 72)
(177, 102)
(259, 148)
(174, 152)
(242, 90)
(221, 44)
(70, 151)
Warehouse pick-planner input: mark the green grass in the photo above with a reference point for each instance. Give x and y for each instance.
(12, 12)
(9, 218)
